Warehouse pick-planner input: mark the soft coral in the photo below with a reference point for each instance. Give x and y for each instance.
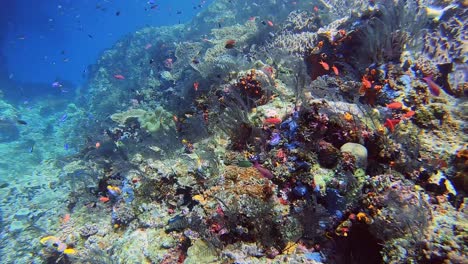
(369, 90)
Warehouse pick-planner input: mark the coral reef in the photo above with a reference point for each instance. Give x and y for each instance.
(324, 136)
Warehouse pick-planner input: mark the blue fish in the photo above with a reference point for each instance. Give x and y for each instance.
(63, 118)
(65, 146)
(56, 84)
(275, 139)
(316, 256)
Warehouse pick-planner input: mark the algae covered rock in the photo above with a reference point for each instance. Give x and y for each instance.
(141, 246)
(358, 151)
(152, 121)
(328, 154)
(200, 252)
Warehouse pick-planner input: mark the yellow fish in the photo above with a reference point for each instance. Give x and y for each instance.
(46, 239)
(69, 251)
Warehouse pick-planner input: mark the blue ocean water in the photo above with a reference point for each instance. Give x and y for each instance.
(45, 41)
(233, 131)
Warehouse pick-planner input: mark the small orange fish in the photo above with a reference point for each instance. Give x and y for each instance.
(270, 23)
(335, 70)
(98, 144)
(348, 117)
(272, 120)
(66, 218)
(325, 65)
(320, 44)
(176, 119)
(395, 105)
(104, 199)
(316, 9)
(195, 86)
(391, 123)
(409, 114)
(283, 201)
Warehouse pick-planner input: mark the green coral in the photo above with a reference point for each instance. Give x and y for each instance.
(322, 177)
(157, 120)
(122, 117)
(355, 189)
(152, 121)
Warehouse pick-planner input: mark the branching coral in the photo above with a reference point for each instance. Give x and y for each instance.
(339, 9)
(218, 59)
(298, 21)
(187, 53)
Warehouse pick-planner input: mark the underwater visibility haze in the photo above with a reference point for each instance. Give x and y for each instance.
(233, 131)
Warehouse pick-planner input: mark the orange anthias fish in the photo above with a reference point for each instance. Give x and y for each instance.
(325, 65)
(391, 123)
(335, 70)
(270, 23)
(272, 120)
(195, 86)
(409, 114)
(104, 199)
(119, 77)
(66, 218)
(395, 105)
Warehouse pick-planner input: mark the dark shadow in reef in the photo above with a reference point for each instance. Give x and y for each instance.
(359, 247)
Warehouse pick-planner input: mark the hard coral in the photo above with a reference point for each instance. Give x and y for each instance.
(88, 230)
